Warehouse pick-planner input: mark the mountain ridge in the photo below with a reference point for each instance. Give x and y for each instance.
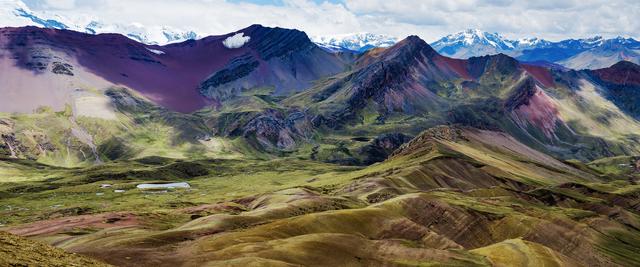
(293, 88)
(590, 53)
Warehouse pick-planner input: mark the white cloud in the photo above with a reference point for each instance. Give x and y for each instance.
(544, 18)
(236, 41)
(429, 19)
(60, 4)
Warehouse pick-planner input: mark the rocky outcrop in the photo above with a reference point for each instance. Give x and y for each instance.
(9, 145)
(381, 147)
(531, 106)
(30, 144)
(268, 130)
(521, 95)
(424, 141)
(62, 68)
(275, 131)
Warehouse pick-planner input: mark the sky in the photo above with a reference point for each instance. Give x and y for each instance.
(429, 19)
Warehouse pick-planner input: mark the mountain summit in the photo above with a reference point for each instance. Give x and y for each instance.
(359, 42)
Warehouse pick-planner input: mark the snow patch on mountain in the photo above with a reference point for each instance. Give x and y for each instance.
(156, 51)
(236, 41)
(524, 43)
(358, 42)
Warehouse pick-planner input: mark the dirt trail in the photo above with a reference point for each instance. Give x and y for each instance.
(54, 226)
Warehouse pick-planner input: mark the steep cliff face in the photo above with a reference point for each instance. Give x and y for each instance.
(531, 106)
(9, 145)
(621, 85)
(285, 61)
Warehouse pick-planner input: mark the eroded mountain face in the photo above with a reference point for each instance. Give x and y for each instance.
(543, 107)
(282, 59)
(280, 93)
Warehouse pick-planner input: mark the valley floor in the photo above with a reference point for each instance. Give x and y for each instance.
(450, 197)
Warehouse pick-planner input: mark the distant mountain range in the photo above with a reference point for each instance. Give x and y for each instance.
(590, 53)
(16, 13)
(474, 42)
(358, 42)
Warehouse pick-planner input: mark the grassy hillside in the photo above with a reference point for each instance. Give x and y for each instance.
(18, 251)
(450, 197)
(138, 128)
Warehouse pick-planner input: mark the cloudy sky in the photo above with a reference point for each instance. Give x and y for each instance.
(429, 19)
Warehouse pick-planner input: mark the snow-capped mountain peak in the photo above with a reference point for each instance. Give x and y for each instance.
(474, 42)
(359, 42)
(530, 42)
(15, 13)
(596, 40)
(475, 37)
(594, 52)
(471, 36)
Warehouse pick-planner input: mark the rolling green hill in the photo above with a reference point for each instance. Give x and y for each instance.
(452, 196)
